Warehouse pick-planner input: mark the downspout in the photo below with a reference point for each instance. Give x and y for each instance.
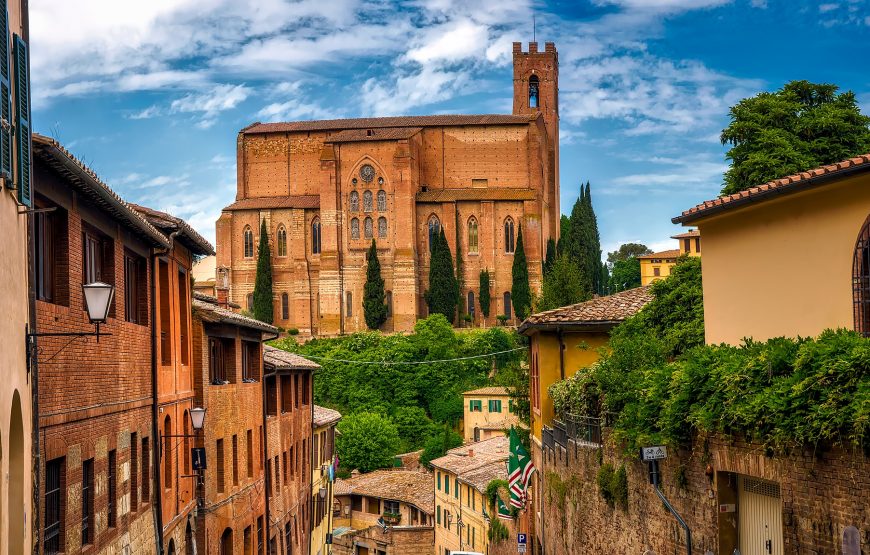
(158, 449)
(35, 461)
(265, 451)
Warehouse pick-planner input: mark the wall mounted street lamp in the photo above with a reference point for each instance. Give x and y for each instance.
(98, 299)
(197, 420)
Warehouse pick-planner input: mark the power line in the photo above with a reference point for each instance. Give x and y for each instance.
(417, 362)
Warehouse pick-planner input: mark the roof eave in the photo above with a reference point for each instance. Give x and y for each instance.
(587, 326)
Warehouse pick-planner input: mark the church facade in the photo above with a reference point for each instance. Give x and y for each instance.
(326, 189)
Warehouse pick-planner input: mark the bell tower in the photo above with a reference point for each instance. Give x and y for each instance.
(536, 90)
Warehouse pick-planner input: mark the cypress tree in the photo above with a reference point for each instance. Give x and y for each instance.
(263, 309)
(592, 245)
(483, 293)
(551, 257)
(374, 296)
(521, 293)
(441, 296)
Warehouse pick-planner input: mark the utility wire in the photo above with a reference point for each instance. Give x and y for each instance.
(417, 362)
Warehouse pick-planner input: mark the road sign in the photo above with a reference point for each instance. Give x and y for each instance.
(521, 548)
(198, 456)
(522, 539)
(654, 453)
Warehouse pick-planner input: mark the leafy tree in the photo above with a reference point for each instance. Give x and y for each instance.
(582, 242)
(626, 251)
(483, 293)
(566, 285)
(438, 445)
(551, 256)
(521, 293)
(801, 126)
(414, 427)
(263, 309)
(374, 296)
(564, 233)
(442, 293)
(367, 441)
(625, 274)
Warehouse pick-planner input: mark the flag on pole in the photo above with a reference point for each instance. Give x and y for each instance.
(520, 470)
(503, 512)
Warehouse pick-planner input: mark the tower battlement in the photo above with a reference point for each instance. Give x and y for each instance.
(549, 48)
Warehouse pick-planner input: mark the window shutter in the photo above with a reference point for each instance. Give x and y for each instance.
(5, 97)
(22, 126)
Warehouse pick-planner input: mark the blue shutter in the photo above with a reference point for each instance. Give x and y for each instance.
(22, 121)
(5, 98)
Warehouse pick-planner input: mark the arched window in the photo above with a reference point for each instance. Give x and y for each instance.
(389, 297)
(315, 236)
(471, 304)
(509, 244)
(354, 201)
(281, 237)
(348, 299)
(382, 201)
(249, 242)
(227, 542)
(861, 281)
(534, 90)
(367, 201)
(368, 225)
(472, 235)
(507, 304)
(167, 452)
(434, 230)
(285, 306)
(382, 227)
(354, 228)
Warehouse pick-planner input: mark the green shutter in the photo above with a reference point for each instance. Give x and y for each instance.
(447, 485)
(439, 514)
(22, 121)
(439, 481)
(5, 97)
(456, 488)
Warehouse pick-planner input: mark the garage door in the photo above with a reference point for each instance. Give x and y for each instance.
(760, 517)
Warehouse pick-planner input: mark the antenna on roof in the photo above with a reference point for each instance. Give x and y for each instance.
(534, 29)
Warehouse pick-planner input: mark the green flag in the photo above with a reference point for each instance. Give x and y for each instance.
(520, 469)
(503, 512)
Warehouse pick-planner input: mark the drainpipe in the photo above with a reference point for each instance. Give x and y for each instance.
(268, 476)
(36, 462)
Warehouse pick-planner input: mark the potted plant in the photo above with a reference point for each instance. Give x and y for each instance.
(392, 518)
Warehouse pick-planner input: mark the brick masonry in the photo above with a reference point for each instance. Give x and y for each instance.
(416, 540)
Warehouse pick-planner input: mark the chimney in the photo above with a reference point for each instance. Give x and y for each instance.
(222, 297)
(471, 452)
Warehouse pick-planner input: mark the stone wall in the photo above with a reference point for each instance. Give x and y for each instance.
(412, 540)
(822, 493)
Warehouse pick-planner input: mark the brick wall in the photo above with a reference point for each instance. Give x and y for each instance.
(416, 540)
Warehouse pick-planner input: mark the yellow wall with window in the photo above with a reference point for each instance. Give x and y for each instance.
(485, 409)
(458, 499)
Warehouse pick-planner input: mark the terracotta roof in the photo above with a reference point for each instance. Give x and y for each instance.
(287, 201)
(279, 359)
(790, 184)
(473, 456)
(492, 390)
(408, 486)
(213, 313)
(449, 195)
(169, 224)
(503, 424)
(324, 416)
(480, 477)
(395, 121)
(86, 181)
(605, 312)
(688, 234)
(672, 253)
(380, 134)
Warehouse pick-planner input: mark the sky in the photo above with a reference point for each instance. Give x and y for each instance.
(151, 95)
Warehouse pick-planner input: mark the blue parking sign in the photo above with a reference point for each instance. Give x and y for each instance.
(522, 539)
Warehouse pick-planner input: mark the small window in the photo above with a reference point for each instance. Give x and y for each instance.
(348, 304)
(354, 228)
(167, 452)
(687, 245)
(113, 488)
(472, 235)
(50, 245)
(494, 405)
(315, 236)
(55, 509)
(285, 306)
(382, 227)
(509, 245)
(249, 301)
(219, 463)
(281, 239)
(250, 361)
(235, 460)
(506, 299)
(369, 231)
(135, 289)
(470, 307)
(656, 271)
(391, 507)
(434, 231)
(534, 91)
(87, 497)
(221, 354)
(698, 245)
(354, 201)
(248, 238)
(475, 405)
(368, 204)
(382, 201)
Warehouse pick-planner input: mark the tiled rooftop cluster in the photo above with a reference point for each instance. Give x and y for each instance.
(609, 309)
(408, 486)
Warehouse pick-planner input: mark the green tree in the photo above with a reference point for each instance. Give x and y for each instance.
(483, 293)
(798, 127)
(551, 256)
(439, 444)
(442, 293)
(374, 296)
(565, 285)
(521, 293)
(414, 427)
(582, 242)
(263, 309)
(564, 233)
(625, 274)
(626, 251)
(367, 441)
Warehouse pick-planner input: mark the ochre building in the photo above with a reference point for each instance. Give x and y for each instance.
(326, 189)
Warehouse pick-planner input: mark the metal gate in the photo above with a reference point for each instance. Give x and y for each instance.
(760, 517)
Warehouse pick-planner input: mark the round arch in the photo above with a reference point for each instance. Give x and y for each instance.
(15, 529)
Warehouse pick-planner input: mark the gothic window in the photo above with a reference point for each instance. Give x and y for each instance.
(354, 228)
(367, 201)
(471, 304)
(249, 242)
(861, 281)
(315, 236)
(354, 201)
(281, 237)
(382, 227)
(534, 87)
(507, 304)
(349, 304)
(472, 235)
(367, 172)
(368, 228)
(382, 201)
(509, 244)
(434, 230)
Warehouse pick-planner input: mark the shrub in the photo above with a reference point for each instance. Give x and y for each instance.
(293, 331)
(613, 485)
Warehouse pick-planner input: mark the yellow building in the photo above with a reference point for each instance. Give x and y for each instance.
(400, 499)
(788, 258)
(460, 481)
(322, 490)
(489, 411)
(658, 265)
(203, 272)
(561, 341)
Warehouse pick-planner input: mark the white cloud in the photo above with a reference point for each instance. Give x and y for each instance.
(449, 42)
(677, 174)
(664, 5)
(410, 90)
(760, 4)
(825, 8)
(207, 104)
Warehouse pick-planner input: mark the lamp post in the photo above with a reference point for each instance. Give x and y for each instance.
(197, 419)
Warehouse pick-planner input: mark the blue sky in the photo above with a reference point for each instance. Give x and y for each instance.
(152, 94)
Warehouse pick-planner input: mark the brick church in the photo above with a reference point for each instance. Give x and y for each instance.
(327, 188)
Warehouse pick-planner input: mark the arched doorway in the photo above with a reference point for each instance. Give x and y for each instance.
(227, 542)
(189, 546)
(171, 550)
(15, 528)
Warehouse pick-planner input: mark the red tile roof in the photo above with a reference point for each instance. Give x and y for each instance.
(395, 121)
(672, 253)
(687, 235)
(408, 486)
(169, 224)
(379, 134)
(279, 359)
(324, 416)
(790, 184)
(213, 313)
(450, 195)
(603, 312)
(288, 201)
(492, 390)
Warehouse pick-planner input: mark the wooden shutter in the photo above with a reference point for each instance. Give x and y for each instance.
(5, 97)
(22, 126)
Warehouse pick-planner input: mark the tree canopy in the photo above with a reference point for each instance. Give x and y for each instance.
(566, 284)
(263, 309)
(521, 293)
(367, 441)
(626, 251)
(374, 305)
(796, 128)
(483, 294)
(442, 294)
(625, 266)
